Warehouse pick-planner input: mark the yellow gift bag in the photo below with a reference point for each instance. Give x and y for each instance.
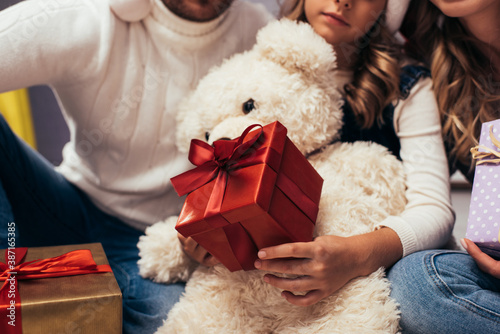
(15, 107)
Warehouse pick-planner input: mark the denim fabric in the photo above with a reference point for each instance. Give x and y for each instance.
(48, 210)
(441, 291)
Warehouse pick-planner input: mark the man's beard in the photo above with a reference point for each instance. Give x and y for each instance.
(198, 10)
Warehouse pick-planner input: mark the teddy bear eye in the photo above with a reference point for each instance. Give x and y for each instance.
(248, 106)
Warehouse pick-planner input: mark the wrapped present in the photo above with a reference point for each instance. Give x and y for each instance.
(483, 226)
(62, 289)
(255, 191)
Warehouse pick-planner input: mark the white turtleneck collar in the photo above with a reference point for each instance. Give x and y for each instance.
(183, 26)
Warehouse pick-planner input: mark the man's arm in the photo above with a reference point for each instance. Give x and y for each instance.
(49, 42)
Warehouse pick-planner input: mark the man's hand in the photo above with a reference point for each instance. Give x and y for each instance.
(484, 261)
(196, 252)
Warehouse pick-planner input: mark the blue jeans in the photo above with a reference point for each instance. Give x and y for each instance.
(443, 291)
(48, 210)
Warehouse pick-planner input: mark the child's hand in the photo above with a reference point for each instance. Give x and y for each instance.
(484, 261)
(323, 265)
(196, 252)
(326, 264)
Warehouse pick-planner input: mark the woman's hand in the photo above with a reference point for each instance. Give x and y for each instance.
(484, 261)
(196, 252)
(323, 266)
(326, 264)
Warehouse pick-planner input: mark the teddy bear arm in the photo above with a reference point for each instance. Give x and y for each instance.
(161, 256)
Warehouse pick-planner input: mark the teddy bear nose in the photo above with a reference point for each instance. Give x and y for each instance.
(207, 135)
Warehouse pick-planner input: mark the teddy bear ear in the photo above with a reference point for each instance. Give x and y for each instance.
(296, 46)
(131, 10)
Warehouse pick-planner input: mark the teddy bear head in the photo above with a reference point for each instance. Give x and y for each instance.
(286, 77)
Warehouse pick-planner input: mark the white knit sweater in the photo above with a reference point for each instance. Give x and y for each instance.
(118, 85)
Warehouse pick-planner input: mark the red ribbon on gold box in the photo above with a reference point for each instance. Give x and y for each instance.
(68, 293)
(255, 191)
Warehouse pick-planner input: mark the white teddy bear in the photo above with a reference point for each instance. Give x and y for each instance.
(288, 76)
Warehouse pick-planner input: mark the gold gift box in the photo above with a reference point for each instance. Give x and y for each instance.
(90, 303)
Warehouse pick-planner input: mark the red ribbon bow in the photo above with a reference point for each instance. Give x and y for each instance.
(212, 161)
(216, 162)
(79, 262)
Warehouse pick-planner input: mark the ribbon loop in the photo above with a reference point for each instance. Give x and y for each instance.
(200, 152)
(488, 155)
(213, 160)
(216, 163)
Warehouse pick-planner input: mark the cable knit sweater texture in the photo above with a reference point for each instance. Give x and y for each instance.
(118, 85)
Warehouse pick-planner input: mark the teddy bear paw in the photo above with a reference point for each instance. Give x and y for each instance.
(161, 254)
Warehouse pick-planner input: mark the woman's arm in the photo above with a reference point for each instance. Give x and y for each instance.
(428, 219)
(51, 42)
(326, 264)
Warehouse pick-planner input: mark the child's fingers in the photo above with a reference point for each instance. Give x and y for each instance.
(484, 261)
(209, 260)
(196, 252)
(181, 238)
(188, 244)
(291, 250)
(288, 266)
(310, 298)
(295, 284)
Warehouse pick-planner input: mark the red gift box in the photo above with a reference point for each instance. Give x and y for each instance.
(255, 191)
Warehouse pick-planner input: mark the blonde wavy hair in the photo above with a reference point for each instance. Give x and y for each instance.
(463, 86)
(376, 72)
